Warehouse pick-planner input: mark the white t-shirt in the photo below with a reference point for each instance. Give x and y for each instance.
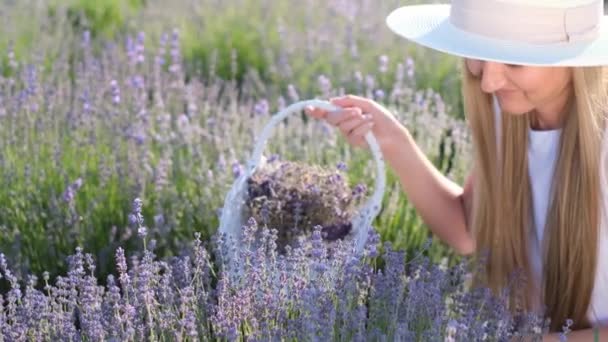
(543, 149)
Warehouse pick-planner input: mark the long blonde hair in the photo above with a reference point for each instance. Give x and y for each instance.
(502, 202)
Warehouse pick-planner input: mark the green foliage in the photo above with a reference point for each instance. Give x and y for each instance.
(101, 17)
(230, 42)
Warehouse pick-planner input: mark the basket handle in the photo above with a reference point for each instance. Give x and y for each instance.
(231, 217)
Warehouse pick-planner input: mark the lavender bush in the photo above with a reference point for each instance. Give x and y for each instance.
(306, 294)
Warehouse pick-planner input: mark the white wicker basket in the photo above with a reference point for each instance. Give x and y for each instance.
(231, 220)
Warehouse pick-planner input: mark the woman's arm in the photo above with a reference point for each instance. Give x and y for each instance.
(443, 205)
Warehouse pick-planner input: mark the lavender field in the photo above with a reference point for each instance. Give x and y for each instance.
(124, 123)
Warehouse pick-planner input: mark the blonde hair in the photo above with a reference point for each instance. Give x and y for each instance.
(502, 202)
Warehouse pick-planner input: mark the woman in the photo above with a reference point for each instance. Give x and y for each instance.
(535, 89)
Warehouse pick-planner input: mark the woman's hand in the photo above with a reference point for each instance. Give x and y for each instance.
(357, 116)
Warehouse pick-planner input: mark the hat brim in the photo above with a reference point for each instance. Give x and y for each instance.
(429, 25)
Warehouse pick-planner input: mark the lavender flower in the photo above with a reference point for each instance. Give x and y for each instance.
(237, 168)
(324, 85)
(70, 191)
(136, 217)
(175, 53)
(262, 107)
(293, 93)
(142, 232)
(383, 64)
(139, 48)
(86, 38)
(115, 92)
(410, 67)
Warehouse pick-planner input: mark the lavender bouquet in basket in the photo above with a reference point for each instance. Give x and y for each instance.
(294, 197)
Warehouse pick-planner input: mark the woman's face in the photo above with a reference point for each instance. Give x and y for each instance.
(521, 89)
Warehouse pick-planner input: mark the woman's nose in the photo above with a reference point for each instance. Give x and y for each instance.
(492, 77)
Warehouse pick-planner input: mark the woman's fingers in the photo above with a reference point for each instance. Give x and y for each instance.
(358, 134)
(363, 103)
(347, 126)
(349, 119)
(337, 117)
(316, 113)
(355, 130)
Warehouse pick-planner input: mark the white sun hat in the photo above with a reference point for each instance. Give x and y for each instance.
(523, 32)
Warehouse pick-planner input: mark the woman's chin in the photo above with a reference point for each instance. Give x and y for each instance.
(517, 113)
(514, 109)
